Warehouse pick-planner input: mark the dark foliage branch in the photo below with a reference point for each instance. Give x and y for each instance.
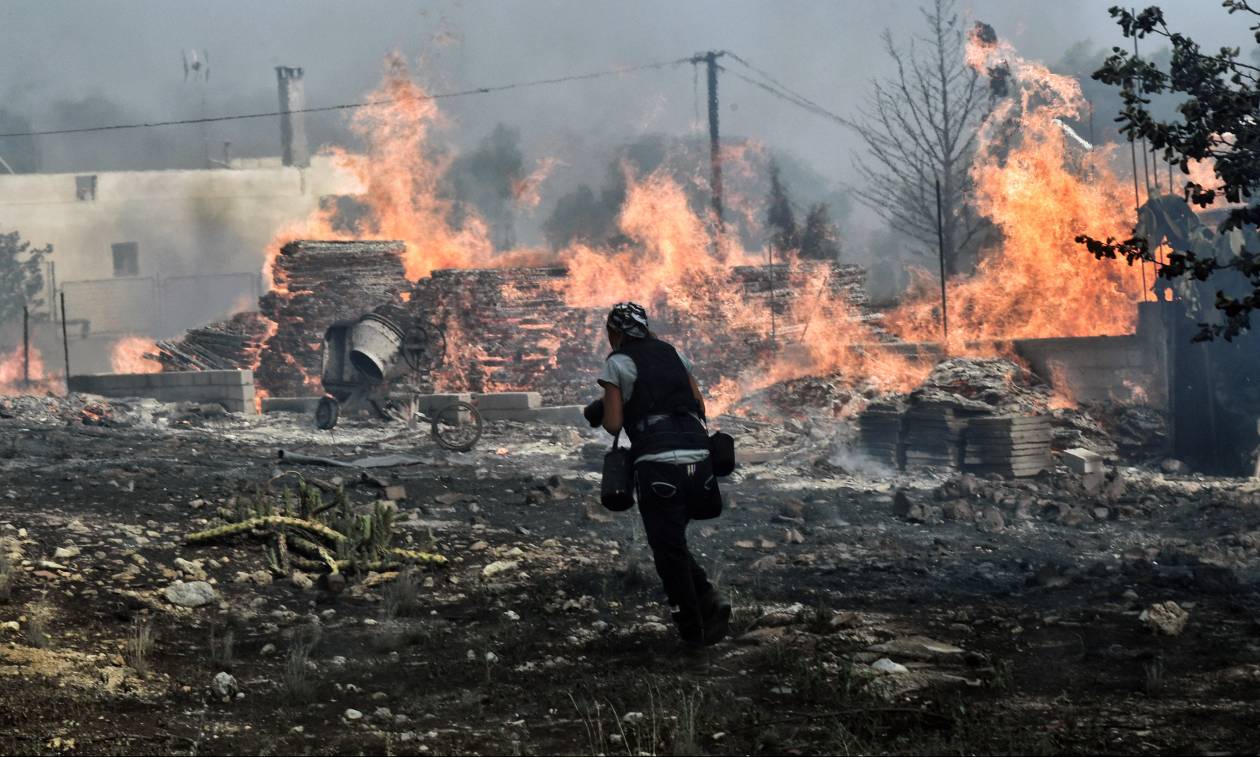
(21, 276)
(1219, 122)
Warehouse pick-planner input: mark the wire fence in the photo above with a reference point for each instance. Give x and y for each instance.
(158, 306)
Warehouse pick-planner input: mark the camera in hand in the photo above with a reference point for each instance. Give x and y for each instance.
(594, 413)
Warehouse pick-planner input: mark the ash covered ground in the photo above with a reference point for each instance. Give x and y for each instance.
(875, 610)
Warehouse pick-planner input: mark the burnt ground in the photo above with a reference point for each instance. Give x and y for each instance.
(1014, 629)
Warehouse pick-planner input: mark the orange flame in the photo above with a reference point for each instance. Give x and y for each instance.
(1039, 194)
(1030, 183)
(131, 354)
(11, 379)
(400, 171)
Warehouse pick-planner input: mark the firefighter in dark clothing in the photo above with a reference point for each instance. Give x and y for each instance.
(651, 396)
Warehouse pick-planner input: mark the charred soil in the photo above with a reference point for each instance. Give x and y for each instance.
(861, 623)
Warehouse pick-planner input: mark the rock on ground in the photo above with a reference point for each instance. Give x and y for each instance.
(191, 594)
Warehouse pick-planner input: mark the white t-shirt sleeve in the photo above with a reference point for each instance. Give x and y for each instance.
(621, 372)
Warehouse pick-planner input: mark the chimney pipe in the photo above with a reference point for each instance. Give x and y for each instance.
(292, 125)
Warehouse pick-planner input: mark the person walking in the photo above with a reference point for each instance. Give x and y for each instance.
(652, 396)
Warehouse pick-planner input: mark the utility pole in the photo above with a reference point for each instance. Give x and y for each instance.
(940, 238)
(715, 154)
(715, 149)
(26, 346)
(65, 339)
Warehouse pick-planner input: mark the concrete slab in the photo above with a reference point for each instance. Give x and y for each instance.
(508, 401)
(289, 404)
(561, 415)
(1083, 461)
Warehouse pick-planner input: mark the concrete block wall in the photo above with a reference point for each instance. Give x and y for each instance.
(1132, 367)
(525, 407)
(234, 390)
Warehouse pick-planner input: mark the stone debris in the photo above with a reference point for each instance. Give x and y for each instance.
(192, 594)
(1167, 618)
(885, 665)
(917, 648)
(224, 685)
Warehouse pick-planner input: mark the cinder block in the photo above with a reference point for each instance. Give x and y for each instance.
(83, 384)
(1083, 461)
(237, 406)
(430, 403)
(508, 401)
(561, 415)
(200, 378)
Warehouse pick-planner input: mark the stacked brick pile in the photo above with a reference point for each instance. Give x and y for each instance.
(316, 284)
(506, 328)
(509, 328)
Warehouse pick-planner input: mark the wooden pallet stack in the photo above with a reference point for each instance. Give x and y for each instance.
(1011, 446)
(233, 344)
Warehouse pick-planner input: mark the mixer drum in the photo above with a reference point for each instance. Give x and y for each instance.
(376, 348)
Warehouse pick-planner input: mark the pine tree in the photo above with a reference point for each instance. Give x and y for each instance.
(21, 275)
(821, 239)
(779, 217)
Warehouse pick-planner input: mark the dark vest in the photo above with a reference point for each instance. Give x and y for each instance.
(662, 387)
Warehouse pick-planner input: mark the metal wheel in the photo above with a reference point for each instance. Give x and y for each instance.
(424, 347)
(457, 426)
(326, 413)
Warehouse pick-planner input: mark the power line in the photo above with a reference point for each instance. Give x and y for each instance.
(804, 104)
(766, 75)
(356, 105)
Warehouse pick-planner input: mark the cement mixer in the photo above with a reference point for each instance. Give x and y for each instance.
(364, 360)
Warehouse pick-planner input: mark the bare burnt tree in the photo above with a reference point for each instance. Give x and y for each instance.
(919, 125)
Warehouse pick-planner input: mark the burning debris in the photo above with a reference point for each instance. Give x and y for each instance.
(236, 343)
(993, 416)
(316, 285)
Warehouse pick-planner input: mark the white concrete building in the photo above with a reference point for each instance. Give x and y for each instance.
(152, 253)
(155, 252)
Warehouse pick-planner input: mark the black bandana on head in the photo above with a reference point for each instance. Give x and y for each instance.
(629, 318)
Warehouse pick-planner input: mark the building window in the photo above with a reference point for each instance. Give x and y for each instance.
(126, 259)
(85, 187)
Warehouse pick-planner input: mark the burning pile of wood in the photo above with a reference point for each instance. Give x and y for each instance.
(232, 344)
(505, 328)
(316, 284)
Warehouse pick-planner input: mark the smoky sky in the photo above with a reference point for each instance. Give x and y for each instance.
(70, 63)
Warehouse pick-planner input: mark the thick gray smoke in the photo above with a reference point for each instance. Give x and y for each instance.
(68, 64)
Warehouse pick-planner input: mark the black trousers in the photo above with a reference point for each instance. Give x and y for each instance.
(670, 496)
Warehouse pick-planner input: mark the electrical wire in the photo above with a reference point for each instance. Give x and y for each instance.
(805, 104)
(356, 105)
(766, 75)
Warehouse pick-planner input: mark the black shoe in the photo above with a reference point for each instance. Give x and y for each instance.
(690, 629)
(717, 617)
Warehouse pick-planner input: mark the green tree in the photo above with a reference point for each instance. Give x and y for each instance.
(820, 239)
(1220, 100)
(784, 234)
(21, 275)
